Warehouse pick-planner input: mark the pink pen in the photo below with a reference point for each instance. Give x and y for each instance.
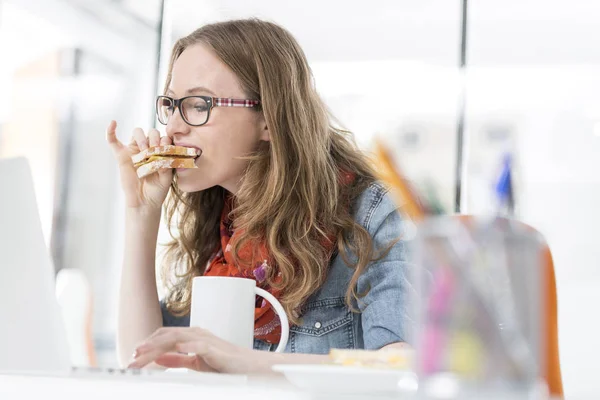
(437, 308)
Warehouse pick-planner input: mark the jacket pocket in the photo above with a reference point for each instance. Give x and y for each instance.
(326, 324)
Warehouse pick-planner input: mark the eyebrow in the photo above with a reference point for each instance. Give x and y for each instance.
(195, 90)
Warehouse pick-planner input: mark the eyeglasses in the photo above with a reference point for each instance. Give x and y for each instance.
(195, 110)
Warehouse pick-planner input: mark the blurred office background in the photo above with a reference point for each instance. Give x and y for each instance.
(390, 68)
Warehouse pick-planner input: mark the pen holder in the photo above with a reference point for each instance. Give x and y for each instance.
(479, 303)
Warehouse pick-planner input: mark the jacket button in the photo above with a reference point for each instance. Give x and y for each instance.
(317, 325)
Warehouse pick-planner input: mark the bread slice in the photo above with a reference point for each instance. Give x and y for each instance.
(176, 151)
(158, 162)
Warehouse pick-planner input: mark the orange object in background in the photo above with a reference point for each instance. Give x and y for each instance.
(553, 375)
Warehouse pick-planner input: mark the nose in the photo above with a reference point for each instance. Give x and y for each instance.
(176, 126)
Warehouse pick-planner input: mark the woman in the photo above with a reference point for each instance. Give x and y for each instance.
(280, 195)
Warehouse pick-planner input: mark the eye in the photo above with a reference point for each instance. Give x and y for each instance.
(201, 106)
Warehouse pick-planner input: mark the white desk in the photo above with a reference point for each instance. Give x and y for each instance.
(135, 388)
(208, 387)
(173, 387)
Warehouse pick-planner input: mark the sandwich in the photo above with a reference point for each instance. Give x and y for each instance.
(152, 159)
(393, 358)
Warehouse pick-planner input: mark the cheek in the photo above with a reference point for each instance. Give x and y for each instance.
(236, 138)
(222, 150)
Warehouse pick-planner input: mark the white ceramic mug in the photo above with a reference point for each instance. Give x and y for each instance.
(225, 307)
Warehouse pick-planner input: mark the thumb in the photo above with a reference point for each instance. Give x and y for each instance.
(222, 361)
(118, 148)
(209, 355)
(165, 177)
(178, 360)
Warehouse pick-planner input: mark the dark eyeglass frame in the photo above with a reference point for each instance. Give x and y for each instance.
(210, 101)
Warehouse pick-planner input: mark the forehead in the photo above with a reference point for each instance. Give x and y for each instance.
(198, 66)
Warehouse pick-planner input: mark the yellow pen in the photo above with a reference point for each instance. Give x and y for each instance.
(404, 195)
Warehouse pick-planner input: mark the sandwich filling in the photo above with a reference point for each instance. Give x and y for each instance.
(153, 159)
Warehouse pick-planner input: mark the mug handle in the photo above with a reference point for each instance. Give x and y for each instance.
(285, 324)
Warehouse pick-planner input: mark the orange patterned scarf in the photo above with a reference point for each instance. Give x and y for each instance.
(266, 323)
(267, 326)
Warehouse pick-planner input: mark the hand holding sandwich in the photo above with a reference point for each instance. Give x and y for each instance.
(146, 166)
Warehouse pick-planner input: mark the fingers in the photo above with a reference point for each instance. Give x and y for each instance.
(194, 346)
(177, 360)
(140, 138)
(165, 141)
(111, 137)
(154, 138)
(166, 174)
(163, 341)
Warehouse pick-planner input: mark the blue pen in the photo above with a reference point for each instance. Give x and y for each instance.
(503, 189)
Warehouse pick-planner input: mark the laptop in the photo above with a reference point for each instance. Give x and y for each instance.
(32, 333)
(33, 338)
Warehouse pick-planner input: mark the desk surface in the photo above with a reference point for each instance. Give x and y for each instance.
(169, 387)
(14, 386)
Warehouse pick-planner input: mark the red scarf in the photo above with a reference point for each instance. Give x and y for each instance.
(267, 326)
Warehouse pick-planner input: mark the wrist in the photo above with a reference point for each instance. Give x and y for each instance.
(143, 220)
(264, 361)
(143, 214)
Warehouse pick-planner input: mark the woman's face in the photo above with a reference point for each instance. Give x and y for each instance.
(230, 132)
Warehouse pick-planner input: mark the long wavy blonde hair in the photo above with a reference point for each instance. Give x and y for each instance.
(290, 196)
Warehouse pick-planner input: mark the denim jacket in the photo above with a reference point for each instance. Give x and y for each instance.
(327, 322)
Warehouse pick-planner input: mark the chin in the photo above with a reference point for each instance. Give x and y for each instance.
(188, 189)
(188, 183)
